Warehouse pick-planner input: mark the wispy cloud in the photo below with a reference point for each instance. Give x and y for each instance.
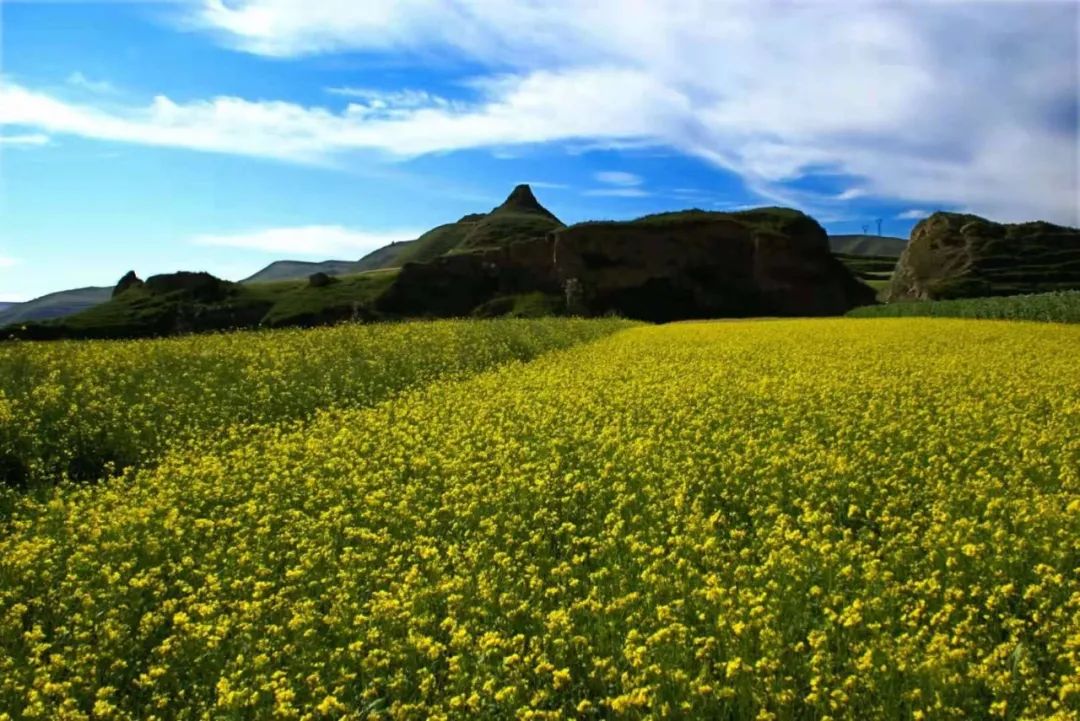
(619, 192)
(878, 93)
(25, 140)
(406, 98)
(851, 194)
(913, 214)
(101, 87)
(7, 261)
(321, 241)
(618, 177)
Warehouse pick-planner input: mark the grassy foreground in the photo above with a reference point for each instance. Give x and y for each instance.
(1056, 307)
(744, 520)
(81, 410)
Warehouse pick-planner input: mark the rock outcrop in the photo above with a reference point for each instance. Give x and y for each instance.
(519, 218)
(952, 255)
(697, 264)
(130, 280)
(659, 268)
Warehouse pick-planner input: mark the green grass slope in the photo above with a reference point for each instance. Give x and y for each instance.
(519, 217)
(437, 241)
(1058, 307)
(388, 256)
(54, 305)
(281, 270)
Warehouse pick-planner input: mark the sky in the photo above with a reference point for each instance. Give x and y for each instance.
(222, 135)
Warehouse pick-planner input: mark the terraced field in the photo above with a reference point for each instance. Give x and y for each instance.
(792, 519)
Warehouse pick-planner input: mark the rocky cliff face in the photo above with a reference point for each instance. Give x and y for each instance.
(698, 264)
(951, 255)
(658, 268)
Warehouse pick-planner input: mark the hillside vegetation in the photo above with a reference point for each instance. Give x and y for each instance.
(79, 410)
(1062, 307)
(874, 270)
(793, 519)
(519, 218)
(953, 255)
(191, 302)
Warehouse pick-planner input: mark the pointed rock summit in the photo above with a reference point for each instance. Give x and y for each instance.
(130, 280)
(522, 200)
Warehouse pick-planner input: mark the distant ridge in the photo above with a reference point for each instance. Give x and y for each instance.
(54, 305)
(282, 270)
(877, 245)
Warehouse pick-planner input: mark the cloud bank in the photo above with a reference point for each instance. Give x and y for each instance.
(313, 240)
(967, 105)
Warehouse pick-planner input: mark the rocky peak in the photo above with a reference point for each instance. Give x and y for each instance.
(129, 280)
(522, 200)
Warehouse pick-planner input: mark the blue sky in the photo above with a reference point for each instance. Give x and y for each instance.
(224, 135)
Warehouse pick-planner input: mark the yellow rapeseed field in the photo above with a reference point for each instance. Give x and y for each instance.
(82, 410)
(804, 519)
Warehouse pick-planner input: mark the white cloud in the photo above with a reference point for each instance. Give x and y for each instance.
(28, 139)
(851, 194)
(618, 177)
(101, 87)
(7, 261)
(619, 192)
(954, 104)
(913, 214)
(312, 240)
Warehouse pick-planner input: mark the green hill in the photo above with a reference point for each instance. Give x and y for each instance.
(280, 270)
(54, 305)
(387, 256)
(520, 217)
(954, 255)
(193, 302)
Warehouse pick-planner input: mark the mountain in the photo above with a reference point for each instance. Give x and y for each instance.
(669, 266)
(517, 259)
(520, 217)
(281, 270)
(54, 305)
(5, 305)
(955, 255)
(873, 245)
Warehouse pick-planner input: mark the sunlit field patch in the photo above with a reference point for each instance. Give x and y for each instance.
(801, 519)
(83, 410)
